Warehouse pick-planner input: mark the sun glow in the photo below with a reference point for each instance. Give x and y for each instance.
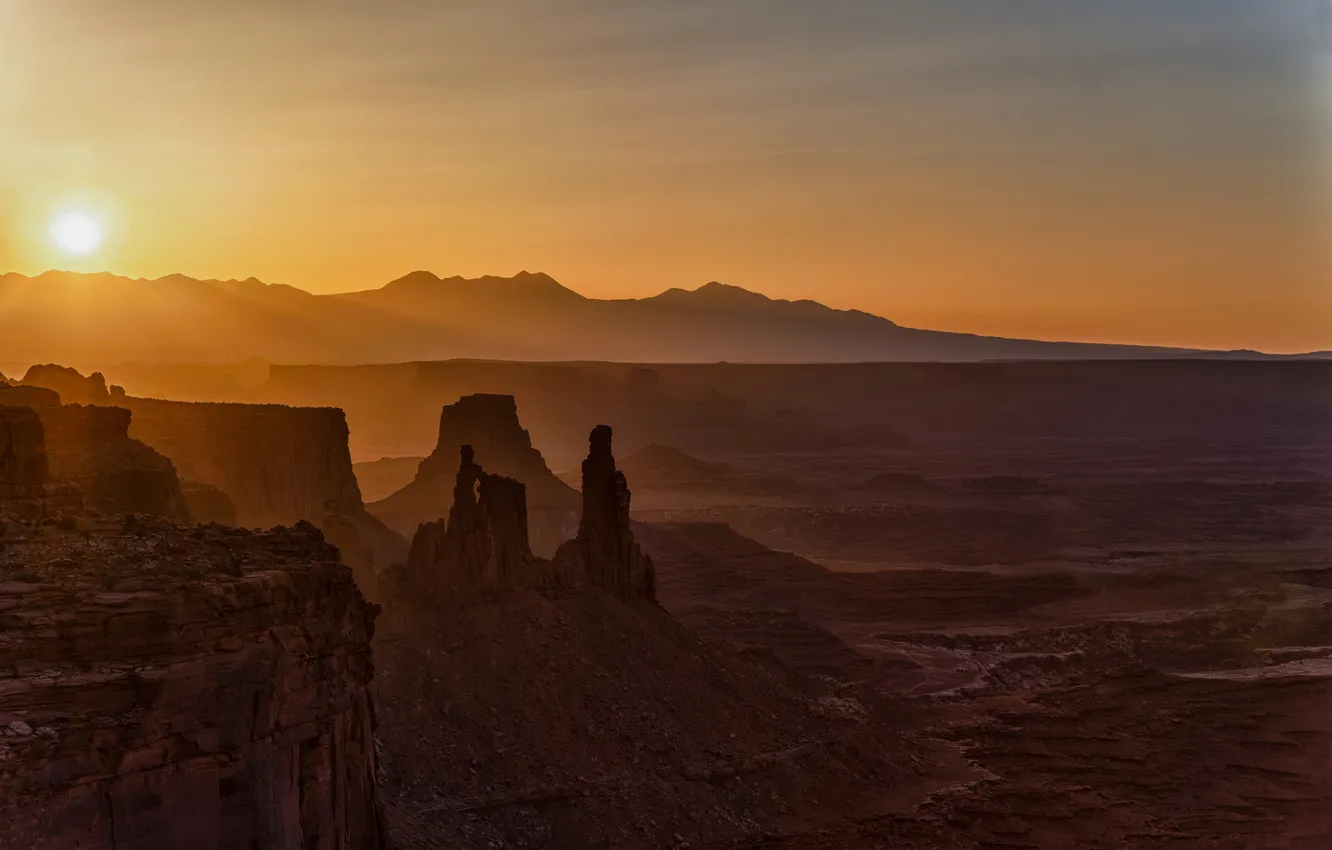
(77, 233)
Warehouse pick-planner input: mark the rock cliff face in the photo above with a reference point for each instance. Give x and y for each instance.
(70, 384)
(22, 447)
(483, 546)
(164, 687)
(278, 465)
(489, 424)
(26, 489)
(91, 447)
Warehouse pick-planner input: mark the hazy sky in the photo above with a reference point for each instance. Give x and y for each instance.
(1129, 170)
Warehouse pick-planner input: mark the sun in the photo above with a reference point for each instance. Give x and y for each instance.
(77, 233)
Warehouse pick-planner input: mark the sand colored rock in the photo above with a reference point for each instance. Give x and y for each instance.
(167, 687)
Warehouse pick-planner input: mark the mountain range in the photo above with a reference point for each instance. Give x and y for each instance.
(104, 318)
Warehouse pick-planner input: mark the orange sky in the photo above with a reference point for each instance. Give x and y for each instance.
(1129, 171)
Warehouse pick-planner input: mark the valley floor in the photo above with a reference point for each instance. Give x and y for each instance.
(1135, 657)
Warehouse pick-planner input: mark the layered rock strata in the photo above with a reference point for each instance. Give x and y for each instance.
(165, 687)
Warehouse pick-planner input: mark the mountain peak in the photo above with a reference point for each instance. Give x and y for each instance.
(413, 279)
(714, 292)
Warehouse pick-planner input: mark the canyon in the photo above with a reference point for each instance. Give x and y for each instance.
(1025, 614)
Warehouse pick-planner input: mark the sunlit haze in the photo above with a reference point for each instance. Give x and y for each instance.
(1130, 171)
(76, 233)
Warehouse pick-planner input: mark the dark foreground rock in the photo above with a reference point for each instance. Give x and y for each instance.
(163, 688)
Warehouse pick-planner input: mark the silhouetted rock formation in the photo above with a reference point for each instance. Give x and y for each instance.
(90, 447)
(605, 551)
(219, 698)
(22, 447)
(26, 489)
(278, 465)
(70, 384)
(483, 546)
(17, 395)
(488, 423)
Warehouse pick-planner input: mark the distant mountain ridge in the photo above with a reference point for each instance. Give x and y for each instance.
(105, 318)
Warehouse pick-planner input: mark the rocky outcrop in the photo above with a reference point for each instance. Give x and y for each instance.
(26, 489)
(483, 546)
(207, 504)
(489, 424)
(164, 687)
(278, 465)
(22, 447)
(71, 385)
(91, 447)
(604, 553)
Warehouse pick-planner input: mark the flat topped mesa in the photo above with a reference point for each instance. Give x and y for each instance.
(488, 423)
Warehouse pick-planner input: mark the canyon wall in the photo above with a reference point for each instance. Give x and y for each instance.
(276, 465)
(171, 687)
(26, 489)
(489, 424)
(91, 447)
